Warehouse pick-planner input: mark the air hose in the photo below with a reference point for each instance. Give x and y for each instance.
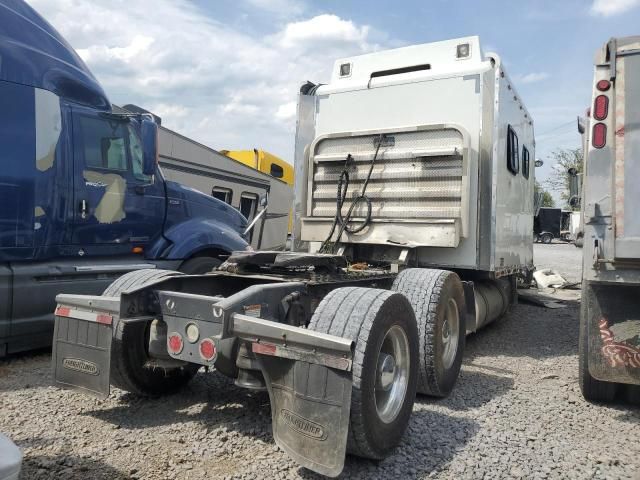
(343, 185)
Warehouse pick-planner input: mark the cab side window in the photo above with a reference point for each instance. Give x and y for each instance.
(513, 153)
(104, 145)
(277, 171)
(221, 193)
(525, 162)
(111, 144)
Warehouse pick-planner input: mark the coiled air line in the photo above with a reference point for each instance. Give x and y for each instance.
(343, 185)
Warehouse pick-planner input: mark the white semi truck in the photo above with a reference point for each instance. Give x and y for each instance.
(414, 213)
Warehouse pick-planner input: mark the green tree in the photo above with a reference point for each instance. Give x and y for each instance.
(547, 198)
(562, 161)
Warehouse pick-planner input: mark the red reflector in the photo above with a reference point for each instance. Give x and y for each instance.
(603, 85)
(104, 319)
(264, 348)
(601, 107)
(63, 311)
(599, 137)
(174, 343)
(207, 349)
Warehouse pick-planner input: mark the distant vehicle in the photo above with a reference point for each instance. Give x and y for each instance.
(82, 198)
(267, 163)
(609, 346)
(229, 179)
(264, 162)
(547, 224)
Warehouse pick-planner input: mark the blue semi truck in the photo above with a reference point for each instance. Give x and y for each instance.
(82, 199)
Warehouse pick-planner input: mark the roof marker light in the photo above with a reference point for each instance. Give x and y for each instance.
(463, 51)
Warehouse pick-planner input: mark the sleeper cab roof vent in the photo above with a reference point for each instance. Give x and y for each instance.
(398, 71)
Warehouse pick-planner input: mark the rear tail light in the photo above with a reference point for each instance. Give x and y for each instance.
(603, 85)
(207, 349)
(175, 343)
(601, 107)
(599, 137)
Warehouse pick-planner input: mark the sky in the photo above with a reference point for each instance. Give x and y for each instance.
(226, 72)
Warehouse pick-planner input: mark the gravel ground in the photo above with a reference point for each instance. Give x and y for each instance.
(516, 412)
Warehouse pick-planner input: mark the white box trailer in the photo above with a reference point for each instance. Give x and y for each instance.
(202, 168)
(452, 185)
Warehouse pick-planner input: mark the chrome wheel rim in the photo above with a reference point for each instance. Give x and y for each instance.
(450, 329)
(392, 374)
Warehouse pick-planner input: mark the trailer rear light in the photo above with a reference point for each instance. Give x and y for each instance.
(207, 349)
(193, 333)
(601, 107)
(175, 343)
(599, 137)
(603, 85)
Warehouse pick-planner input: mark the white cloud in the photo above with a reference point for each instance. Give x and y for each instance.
(286, 111)
(323, 29)
(209, 80)
(532, 77)
(612, 7)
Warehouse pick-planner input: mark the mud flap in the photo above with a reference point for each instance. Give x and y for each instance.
(82, 349)
(310, 406)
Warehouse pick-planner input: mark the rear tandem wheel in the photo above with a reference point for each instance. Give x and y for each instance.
(131, 367)
(438, 301)
(383, 327)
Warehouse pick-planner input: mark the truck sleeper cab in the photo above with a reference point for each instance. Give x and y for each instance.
(82, 199)
(432, 221)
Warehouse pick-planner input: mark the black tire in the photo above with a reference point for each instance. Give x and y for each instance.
(199, 265)
(592, 389)
(367, 315)
(429, 292)
(546, 238)
(130, 369)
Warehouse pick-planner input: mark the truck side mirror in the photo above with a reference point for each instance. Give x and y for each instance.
(264, 200)
(149, 134)
(574, 183)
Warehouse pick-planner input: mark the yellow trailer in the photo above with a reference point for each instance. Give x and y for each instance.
(264, 162)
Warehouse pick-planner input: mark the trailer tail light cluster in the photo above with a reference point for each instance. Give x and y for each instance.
(208, 349)
(599, 112)
(599, 135)
(175, 344)
(601, 107)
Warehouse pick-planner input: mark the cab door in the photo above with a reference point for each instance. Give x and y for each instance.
(116, 206)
